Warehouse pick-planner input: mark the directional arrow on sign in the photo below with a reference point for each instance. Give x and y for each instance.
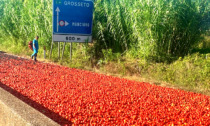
(58, 10)
(66, 23)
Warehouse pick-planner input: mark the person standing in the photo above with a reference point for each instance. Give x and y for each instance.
(35, 48)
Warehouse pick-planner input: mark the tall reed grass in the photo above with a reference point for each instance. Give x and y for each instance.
(139, 28)
(151, 28)
(21, 20)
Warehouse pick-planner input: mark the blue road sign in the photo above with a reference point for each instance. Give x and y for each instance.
(72, 17)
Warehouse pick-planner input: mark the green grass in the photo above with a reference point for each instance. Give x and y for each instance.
(190, 73)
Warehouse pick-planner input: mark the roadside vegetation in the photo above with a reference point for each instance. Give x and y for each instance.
(161, 40)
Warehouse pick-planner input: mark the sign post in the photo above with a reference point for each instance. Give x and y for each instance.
(70, 50)
(72, 21)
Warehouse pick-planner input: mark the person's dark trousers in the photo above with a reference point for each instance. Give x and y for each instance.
(35, 55)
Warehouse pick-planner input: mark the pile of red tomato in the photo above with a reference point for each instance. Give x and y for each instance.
(83, 97)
